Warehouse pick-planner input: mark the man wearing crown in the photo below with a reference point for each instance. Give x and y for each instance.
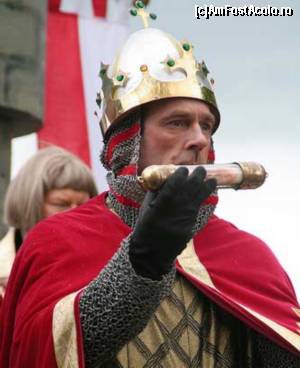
(136, 279)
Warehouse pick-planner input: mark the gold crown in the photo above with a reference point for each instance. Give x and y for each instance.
(152, 65)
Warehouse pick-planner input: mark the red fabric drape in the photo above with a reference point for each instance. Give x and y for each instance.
(64, 253)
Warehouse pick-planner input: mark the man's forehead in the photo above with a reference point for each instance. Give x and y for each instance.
(173, 106)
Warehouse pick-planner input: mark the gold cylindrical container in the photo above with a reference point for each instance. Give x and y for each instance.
(236, 175)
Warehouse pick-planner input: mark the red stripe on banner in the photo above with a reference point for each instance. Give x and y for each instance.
(53, 5)
(125, 201)
(65, 122)
(121, 137)
(100, 8)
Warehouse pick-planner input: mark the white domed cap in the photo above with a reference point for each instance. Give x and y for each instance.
(149, 47)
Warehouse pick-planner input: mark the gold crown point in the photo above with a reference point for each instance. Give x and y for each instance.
(103, 70)
(107, 84)
(204, 69)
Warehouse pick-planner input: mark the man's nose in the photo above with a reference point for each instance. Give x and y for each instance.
(197, 139)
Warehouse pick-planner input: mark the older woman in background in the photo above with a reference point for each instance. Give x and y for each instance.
(52, 181)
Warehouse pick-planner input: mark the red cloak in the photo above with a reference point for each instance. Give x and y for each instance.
(39, 322)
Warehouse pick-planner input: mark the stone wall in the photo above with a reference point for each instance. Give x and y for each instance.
(22, 39)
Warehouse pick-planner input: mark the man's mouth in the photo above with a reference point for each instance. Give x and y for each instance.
(195, 159)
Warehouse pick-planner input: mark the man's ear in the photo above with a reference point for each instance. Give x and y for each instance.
(216, 116)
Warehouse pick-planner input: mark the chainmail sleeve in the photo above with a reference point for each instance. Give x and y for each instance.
(116, 306)
(267, 354)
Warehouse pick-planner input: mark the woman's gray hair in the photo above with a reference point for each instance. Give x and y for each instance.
(50, 168)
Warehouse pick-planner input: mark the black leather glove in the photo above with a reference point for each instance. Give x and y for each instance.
(166, 221)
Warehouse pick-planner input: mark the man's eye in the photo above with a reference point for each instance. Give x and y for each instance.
(206, 127)
(177, 123)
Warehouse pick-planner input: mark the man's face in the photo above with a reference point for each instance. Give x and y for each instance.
(176, 131)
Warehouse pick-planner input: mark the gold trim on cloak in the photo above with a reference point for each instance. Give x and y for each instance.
(191, 264)
(297, 311)
(64, 333)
